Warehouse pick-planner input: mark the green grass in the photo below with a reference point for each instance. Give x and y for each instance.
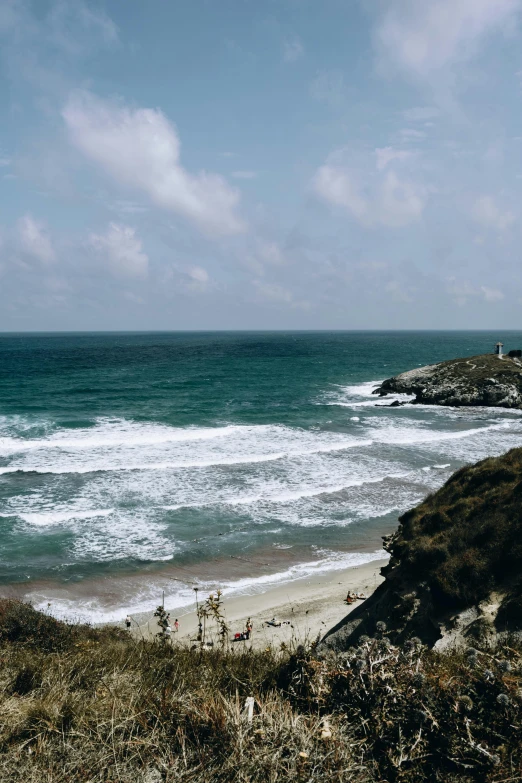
(466, 539)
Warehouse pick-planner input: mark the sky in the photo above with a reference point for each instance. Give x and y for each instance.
(260, 164)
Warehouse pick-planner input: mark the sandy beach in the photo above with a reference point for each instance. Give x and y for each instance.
(307, 608)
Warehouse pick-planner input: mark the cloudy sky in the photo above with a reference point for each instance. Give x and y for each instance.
(260, 164)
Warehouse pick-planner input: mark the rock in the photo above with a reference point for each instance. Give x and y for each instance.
(486, 380)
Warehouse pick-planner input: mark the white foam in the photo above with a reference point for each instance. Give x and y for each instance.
(272, 498)
(364, 389)
(124, 536)
(47, 518)
(232, 445)
(362, 395)
(253, 476)
(114, 432)
(235, 446)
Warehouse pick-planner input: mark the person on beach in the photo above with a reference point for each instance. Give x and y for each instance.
(176, 625)
(351, 597)
(128, 622)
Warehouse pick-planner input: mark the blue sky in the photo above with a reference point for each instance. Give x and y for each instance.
(271, 164)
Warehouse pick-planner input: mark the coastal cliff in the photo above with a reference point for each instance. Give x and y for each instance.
(455, 572)
(480, 380)
(98, 704)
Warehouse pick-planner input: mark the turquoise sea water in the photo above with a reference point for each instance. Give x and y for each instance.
(131, 460)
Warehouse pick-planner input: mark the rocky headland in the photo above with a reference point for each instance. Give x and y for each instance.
(480, 380)
(455, 572)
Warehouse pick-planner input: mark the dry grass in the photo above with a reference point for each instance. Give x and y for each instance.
(422, 716)
(78, 704)
(105, 708)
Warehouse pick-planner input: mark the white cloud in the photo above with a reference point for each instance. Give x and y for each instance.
(463, 290)
(278, 295)
(140, 148)
(293, 49)
(130, 296)
(379, 194)
(402, 201)
(423, 38)
(398, 291)
(340, 188)
(270, 253)
(244, 174)
(386, 155)
(274, 292)
(198, 274)
(411, 134)
(486, 212)
(420, 113)
(34, 240)
(122, 250)
(491, 294)
(263, 253)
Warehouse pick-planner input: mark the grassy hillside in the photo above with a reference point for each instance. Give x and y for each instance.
(465, 540)
(78, 704)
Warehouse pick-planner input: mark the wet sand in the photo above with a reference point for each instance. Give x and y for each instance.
(307, 608)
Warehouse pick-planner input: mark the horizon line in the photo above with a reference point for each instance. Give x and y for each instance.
(246, 331)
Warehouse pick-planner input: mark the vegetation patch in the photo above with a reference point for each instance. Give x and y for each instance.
(466, 539)
(95, 705)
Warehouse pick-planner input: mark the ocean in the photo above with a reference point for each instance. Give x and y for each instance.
(136, 465)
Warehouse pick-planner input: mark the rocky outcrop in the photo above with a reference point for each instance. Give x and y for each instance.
(480, 380)
(455, 571)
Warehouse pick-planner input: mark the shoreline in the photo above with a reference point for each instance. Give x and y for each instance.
(308, 607)
(110, 599)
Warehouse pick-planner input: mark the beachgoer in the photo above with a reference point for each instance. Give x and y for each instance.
(167, 631)
(349, 598)
(176, 625)
(128, 622)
